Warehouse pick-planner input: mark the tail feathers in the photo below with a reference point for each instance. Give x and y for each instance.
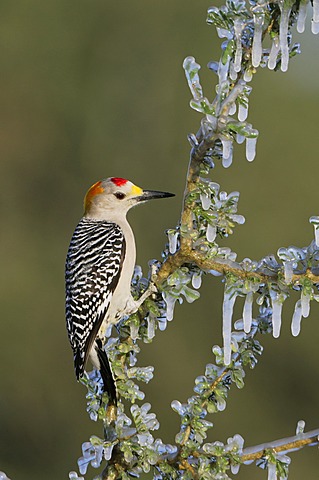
(79, 363)
(106, 373)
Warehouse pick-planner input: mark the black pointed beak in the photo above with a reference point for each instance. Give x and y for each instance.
(153, 194)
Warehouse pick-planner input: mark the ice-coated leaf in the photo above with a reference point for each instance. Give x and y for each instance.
(191, 71)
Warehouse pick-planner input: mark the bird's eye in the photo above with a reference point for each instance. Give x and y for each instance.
(120, 195)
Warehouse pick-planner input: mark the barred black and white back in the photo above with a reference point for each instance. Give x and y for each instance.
(93, 266)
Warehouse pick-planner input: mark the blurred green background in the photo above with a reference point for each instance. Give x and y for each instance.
(91, 89)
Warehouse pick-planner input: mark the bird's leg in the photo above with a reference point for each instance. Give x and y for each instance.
(134, 305)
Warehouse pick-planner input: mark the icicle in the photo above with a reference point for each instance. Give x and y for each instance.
(305, 305)
(197, 280)
(315, 27)
(172, 241)
(315, 15)
(283, 35)
(296, 319)
(257, 39)
(227, 152)
(238, 27)
(211, 232)
(205, 201)
(228, 307)
(240, 138)
(276, 316)
(242, 112)
(251, 148)
(275, 47)
(288, 271)
(272, 473)
(302, 17)
(248, 312)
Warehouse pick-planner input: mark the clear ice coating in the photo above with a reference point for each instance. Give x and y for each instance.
(251, 148)
(283, 35)
(257, 39)
(276, 316)
(275, 47)
(302, 17)
(228, 307)
(238, 28)
(248, 312)
(296, 319)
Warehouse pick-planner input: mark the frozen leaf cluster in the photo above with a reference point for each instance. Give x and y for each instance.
(215, 213)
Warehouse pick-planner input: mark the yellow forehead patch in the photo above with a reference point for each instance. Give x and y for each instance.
(135, 190)
(96, 189)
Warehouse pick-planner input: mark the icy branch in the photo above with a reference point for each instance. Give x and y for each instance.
(282, 446)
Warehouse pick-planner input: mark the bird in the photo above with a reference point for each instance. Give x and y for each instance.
(98, 272)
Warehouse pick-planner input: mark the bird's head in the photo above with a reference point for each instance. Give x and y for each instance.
(113, 197)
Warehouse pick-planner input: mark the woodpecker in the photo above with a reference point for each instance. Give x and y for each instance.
(99, 269)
